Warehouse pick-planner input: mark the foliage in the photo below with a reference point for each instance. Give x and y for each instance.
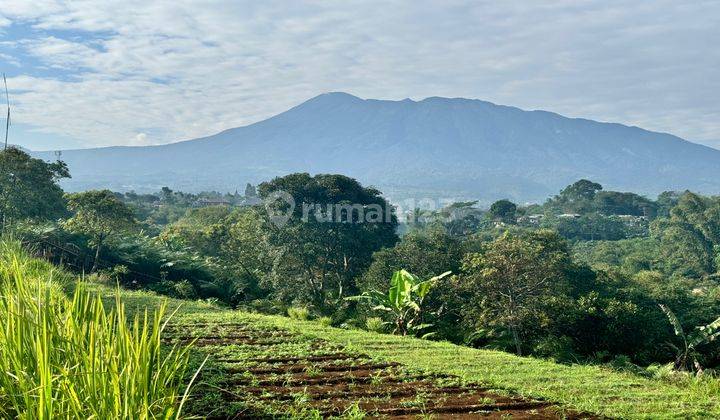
(71, 358)
(403, 300)
(688, 354)
(99, 214)
(423, 252)
(593, 227)
(614, 202)
(329, 237)
(575, 198)
(300, 314)
(511, 281)
(28, 187)
(631, 255)
(689, 235)
(375, 324)
(504, 211)
(235, 245)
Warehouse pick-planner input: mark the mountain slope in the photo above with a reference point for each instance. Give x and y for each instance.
(436, 147)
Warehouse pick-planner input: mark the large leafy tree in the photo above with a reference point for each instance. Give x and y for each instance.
(513, 280)
(327, 239)
(575, 198)
(29, 187)
(504, 211)
(100, 215)
(689, 237)
(613, 202)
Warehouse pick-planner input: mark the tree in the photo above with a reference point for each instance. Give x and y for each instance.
(613, 202)
(512, 279)
(504, 211)
(250, 191)
(575, 198)
(666, 201)
(403, 300)
(423, 252)
(684, 249)
(99, 214)
(167, 195)
(29, 187)
(581, 190)
(689, 235)
(329, 235)
(248, 254)
(459, 219)
(591, 227)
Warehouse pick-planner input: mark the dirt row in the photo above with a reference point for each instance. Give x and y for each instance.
(271, 373)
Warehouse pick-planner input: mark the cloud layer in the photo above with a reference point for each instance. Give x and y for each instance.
(138, 72)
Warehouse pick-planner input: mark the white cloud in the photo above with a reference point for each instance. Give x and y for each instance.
(8, 59)
(141, 139)
(184, 69)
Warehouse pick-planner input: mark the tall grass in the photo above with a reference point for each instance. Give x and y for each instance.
(69, 357)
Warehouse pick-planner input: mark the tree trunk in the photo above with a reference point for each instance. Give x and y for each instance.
(516, 338)
(97, 254)
(400, 325)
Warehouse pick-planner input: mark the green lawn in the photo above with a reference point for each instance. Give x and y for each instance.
(584, 388)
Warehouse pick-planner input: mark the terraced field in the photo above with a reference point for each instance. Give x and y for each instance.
(267, 371)
(264, 366)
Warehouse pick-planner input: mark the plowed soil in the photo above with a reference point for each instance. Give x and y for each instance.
(273, 373)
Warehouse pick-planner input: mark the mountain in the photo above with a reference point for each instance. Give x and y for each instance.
(436, 147)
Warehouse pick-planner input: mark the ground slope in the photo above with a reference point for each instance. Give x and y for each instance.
(264, 364)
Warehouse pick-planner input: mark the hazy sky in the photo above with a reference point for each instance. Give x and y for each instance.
(97, 73)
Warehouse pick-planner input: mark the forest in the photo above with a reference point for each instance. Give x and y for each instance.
(589, 275)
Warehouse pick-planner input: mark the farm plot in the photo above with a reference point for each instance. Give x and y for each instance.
(262, 371)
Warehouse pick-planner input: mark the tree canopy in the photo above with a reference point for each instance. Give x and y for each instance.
(99, 214)
(329, 236)
(29, 187)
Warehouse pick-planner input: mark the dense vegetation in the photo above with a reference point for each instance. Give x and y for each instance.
(578, 278)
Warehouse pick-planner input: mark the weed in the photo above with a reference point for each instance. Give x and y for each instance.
(299, 314)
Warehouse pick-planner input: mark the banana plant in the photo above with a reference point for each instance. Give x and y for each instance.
(687, 356)
(403, 300)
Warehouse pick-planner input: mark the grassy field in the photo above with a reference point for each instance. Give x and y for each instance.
(270, 364)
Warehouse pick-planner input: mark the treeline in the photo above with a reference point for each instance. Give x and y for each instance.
(580, 277)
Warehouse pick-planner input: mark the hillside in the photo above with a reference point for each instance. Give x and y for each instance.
(277, 364)
(263, 366)
(436, 147)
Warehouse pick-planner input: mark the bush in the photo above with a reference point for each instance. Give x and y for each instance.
(325, 321)
(375, 324)
(300, 314)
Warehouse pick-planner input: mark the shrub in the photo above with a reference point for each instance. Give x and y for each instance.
(325, 321)
(403, 301)
(300, 314)
(375, 324)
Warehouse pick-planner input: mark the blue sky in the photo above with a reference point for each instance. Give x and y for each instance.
(100, 73)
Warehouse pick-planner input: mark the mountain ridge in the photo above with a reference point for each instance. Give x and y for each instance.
(435, 147)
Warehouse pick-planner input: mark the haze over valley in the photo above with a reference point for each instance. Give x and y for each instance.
(435, 147)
